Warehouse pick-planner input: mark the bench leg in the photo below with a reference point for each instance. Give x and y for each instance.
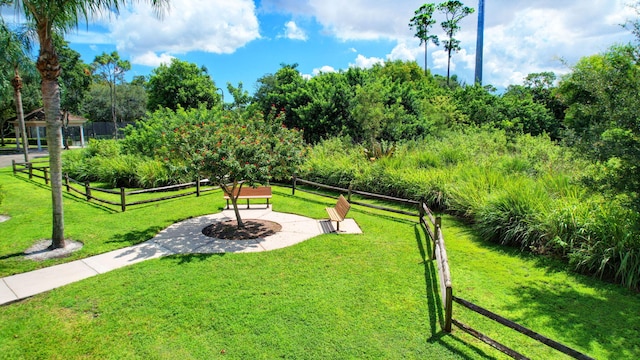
(227, 204)
(337, 226)
(247, 203)
(267, 203)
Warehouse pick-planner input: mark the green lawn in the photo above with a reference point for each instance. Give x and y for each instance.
(333, 296)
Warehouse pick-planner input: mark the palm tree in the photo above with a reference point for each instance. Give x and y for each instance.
(47, 17)
(14, 53)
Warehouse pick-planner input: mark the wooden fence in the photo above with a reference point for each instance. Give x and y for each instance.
(120, 197)
(431, 223)
(433, 227)
(33, 169)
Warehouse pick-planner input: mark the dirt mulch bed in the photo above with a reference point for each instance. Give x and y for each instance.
(253, 229)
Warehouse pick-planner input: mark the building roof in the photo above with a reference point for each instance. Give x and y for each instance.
(36, 118)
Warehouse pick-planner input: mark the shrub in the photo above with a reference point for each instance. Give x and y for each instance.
(514, 214)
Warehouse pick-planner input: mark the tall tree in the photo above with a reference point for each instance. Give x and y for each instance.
(111, 69)
(47, 17)
(181, 84)
(634, 25)
(422, 21)
(454, 11)
(74, 81)
(602, 98)
(14, 51)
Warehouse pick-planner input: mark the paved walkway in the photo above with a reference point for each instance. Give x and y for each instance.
(181, 238)
(5, 159)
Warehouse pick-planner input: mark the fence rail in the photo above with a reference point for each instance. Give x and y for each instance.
(432, 225)
(123, 197)
(350, 191)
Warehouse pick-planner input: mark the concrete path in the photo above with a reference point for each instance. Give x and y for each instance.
(180, 238)
(5, 160)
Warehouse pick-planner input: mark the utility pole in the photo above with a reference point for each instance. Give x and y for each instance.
(479, 42)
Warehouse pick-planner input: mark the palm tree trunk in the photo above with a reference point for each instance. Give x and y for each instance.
(49, 67)
(17, 95)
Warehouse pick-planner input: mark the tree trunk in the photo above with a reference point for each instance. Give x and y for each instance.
(49, 67)
(448, 65)
(113, 109)
(425, 57)
(234, 200)
(17, 95)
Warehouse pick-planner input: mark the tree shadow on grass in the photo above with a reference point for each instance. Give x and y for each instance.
(9, 256)
(601, 314)
(608, 318)
(181, 259)
(135, 236)
(434, 303)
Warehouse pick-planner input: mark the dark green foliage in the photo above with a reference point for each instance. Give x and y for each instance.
(602, 98)
(181, 84)
(104, 161)
(391, 102)
(75, 78)
(131, 102)
(517, 190)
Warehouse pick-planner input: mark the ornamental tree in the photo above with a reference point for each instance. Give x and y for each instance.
(233, 150)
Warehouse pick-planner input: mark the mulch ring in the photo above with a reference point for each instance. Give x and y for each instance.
(253, 229)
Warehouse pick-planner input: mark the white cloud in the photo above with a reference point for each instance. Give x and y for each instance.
(403, 52)
(215, 26)
(366, 62)
(293, 32)
(521, 36)
(152, 59)
(325, 69)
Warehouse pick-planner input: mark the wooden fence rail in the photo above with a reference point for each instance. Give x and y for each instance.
(350, 191)
(433, 227)
(87, 191)
(431, 223)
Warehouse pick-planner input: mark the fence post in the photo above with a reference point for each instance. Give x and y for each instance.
(198, 186)
(293, 189)
(30, 170)
(123, 200)
(436, 226)
(46, 176)
(66, 180)
(421, 206)
(87, 190)
(13, 164)
(349, 192)
(448, 308)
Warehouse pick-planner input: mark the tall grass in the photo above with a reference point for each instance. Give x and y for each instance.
(522, 191)
(103, 161)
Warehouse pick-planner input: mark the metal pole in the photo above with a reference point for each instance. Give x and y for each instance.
(479, 43)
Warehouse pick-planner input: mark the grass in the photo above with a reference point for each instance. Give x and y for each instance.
(333, 296)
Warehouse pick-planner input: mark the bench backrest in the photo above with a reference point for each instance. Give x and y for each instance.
(342, 206)
(250, 191)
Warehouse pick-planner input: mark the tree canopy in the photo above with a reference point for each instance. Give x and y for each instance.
(181, 84)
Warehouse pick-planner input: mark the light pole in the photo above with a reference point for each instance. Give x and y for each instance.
(479, 43)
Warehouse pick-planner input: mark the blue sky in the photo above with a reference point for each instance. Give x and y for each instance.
(242, 40)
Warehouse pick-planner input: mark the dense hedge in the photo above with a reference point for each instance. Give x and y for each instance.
(523, 191)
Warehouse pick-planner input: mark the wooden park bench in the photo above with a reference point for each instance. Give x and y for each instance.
(260, 192)
(338, 212)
